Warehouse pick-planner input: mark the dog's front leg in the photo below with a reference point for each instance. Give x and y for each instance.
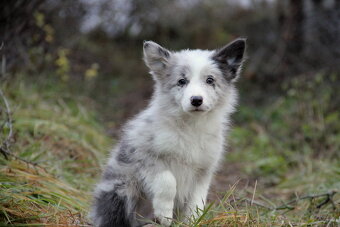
(163, 190)
(198, 198)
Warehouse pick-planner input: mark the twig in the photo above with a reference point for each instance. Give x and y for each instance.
(284, 207)
(3, 62)
(324, 202)
(5, 146)
(252, 199)
(328, 199)
(7, 153)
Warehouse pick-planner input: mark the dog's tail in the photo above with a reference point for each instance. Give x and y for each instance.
(111, 208)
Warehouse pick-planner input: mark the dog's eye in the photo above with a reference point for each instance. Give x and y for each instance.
(210, 80)
(181, 82)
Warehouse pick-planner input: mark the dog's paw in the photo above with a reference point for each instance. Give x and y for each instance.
(164, 221)
(164, 218)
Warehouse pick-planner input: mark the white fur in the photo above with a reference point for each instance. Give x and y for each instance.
(177, 147)
(193, 141)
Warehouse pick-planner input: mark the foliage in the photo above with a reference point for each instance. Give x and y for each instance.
(63, 64)
(63, 144)
(284, 143)
(287, 149)
(301, 124)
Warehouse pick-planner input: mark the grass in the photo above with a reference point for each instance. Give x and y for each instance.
(287, 152)
(66, 141)
(287, 149)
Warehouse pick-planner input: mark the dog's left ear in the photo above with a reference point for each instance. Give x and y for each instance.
(230, 58)
(155, 57)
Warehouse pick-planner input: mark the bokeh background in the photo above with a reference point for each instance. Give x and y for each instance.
(72, 74)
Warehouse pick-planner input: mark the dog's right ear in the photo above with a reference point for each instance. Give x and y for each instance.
(155, 56)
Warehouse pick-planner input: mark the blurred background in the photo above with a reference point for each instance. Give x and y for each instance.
(73, 70)
(97, 45)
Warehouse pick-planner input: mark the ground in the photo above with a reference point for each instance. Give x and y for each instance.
(282, 166)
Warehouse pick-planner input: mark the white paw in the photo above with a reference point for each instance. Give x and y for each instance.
(165, 218)
(165, 221)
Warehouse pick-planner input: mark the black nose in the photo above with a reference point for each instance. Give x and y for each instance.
(196, 100)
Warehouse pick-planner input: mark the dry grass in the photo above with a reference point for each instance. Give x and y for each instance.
(33, 196)
(64, 145)
(291, 152)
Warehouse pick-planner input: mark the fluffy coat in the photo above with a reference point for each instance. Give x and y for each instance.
(163, 165)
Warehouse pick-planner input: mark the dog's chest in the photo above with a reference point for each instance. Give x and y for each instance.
(190, 154)
(196, 148)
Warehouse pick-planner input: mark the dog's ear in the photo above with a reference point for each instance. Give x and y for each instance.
(230, 58)
(155, 56)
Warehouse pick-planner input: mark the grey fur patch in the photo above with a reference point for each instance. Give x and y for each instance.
(144, 212)
(125, 153)
(156, 57)
(201, 172)
(110, 174)
(175, 73)
(163, 52)
(150, 139)
(230, 58)
(148, 121)
(110, 210)
(146, 44)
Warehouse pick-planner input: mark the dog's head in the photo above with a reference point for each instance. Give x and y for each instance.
(195, 80)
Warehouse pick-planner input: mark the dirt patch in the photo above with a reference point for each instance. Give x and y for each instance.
(229, 174)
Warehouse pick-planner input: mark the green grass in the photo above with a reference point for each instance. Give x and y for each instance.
(291, 148)
(66, 141)
(286, 148)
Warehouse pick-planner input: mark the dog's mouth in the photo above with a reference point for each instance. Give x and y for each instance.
(197, 110)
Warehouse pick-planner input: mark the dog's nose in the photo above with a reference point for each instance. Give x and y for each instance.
(196, 100)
